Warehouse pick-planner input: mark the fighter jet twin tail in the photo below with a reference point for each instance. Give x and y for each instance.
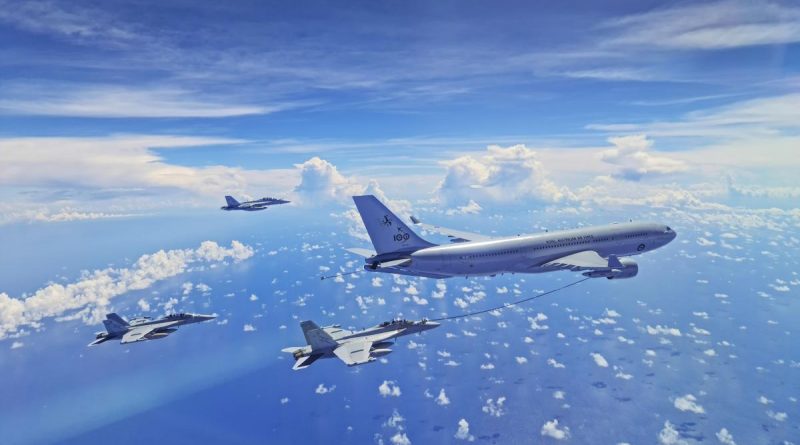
(144, 328)
(252, 206)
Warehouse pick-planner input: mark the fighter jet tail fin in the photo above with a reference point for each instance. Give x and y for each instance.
(316, 337)
(387, 232)
(115, 324)
(231, 202)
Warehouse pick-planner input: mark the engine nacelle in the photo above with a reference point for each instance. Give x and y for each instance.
(382, 345)
(380, 352)
(629, 270)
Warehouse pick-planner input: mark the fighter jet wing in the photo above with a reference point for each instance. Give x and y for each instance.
(139, 333)
(354, 353)
(456, 236)
(588, 259)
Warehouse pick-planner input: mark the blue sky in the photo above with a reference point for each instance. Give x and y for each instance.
(233, 97)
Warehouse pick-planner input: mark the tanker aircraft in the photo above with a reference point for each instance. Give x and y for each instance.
(597, 252)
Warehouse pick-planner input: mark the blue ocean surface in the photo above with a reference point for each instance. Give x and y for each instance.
(702, 339)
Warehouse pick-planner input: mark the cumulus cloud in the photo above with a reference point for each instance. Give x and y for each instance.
(501, 175)
(725, 437)
(463, 431)
(470, 208)
(249, 328)
(633, 159)
(322, 389)
(599, 360)
(670, 436)
(494, 409)
(92, 294)
(442, 399)
(400, 438)
(551, 429)
(321, 180)
(689, 403)
(663, 330)
(389, 389)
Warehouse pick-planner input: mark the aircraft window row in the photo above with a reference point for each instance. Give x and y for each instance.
(482, 255)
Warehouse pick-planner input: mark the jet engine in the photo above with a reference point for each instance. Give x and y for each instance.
(629, 269)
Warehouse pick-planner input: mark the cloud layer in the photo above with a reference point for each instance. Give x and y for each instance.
(90, 297)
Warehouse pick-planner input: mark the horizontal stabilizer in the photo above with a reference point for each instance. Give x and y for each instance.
(396, 263)
(456, 236)
(305, 362)
(366, 253)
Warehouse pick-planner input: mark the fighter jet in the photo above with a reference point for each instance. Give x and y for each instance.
(250, 206)
(595, 251)
(144, 328)
(352, 347)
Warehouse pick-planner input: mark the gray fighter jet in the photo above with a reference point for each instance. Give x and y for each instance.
(144, 328)
(250, 206)
(352, 347)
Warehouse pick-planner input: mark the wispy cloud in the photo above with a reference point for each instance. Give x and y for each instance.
(105, 101)
(711, 26)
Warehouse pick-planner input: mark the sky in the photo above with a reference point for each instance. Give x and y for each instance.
(123, 124)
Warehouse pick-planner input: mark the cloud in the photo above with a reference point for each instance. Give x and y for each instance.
(124, 164)
(463, 431)
(631, 154)
(92, 294)
(779, 416)
(108, 101)
(321, 180)
(249, 328)
(663, 330)
(501, 175)
(442, 399)
(494, 409)
(322, 389)
(725, 437)
(599, 360)
(670, 436)
(400, 438)
(389, 389)
(689, 403)
(471, 208)
(550, 429)
(60, 215)
(712, 26)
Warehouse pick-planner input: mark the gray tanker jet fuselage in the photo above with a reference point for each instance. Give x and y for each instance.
(352, 347)
(596, 251)
(144, 328)
(250, 206)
